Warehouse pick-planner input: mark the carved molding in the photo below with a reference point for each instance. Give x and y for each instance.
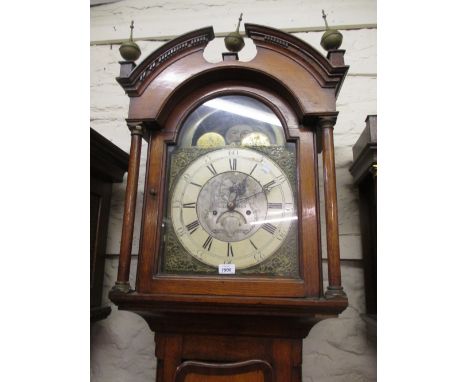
(140, 76)
(276, 40)
(166, 55)
(319, 66)
(310, 308)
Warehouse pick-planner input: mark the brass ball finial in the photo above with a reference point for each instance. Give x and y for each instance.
(129, 50)
(332, 38)
(234, 41)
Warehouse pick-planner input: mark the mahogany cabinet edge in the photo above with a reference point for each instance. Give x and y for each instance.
(108, 164)
(227, 286)
(108, 161)
(230, 305)
(365, 151)
(361, 165)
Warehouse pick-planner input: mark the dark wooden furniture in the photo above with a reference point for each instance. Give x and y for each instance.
(108, 165)
(364, 171)
(218, 327)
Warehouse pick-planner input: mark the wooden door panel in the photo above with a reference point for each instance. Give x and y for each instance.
(247, 371)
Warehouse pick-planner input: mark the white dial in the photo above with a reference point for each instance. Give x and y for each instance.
(232, 206)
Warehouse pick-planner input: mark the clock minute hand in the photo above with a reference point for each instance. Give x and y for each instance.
(264, 189)
(251, 196)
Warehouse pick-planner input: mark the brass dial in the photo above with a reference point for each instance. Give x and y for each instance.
(232, 206)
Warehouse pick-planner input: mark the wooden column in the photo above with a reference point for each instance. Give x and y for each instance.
(122, 284)
(334, 288)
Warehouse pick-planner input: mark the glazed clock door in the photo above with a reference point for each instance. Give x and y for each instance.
(231, 193)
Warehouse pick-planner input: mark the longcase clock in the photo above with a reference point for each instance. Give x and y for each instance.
(229, 270)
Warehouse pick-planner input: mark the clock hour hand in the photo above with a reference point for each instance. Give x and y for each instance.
(273, 183)
(238, 189)
(266, 188)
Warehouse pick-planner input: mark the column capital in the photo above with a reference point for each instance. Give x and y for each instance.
(136, 128)
(327, 120)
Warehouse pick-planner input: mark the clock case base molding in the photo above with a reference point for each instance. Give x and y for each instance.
(214, 332)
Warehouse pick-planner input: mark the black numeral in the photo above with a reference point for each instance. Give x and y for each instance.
(253, 245)
(233, 164)
(189, 205)
(212, 169)
(280, 179)
(230, 252)
(269, 228)
(275, 205)
(268, 185)
(192, 227)
(253, 169)
(208, 241)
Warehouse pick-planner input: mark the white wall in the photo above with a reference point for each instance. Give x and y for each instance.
(122, 347)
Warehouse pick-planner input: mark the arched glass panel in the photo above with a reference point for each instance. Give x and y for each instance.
(233, 120)
(232, 193)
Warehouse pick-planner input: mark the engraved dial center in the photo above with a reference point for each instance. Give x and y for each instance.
(239, 201)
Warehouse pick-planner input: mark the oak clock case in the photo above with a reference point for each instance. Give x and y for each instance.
(232, 179)
(231, 193)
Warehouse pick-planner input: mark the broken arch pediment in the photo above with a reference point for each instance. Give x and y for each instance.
(179, 64)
